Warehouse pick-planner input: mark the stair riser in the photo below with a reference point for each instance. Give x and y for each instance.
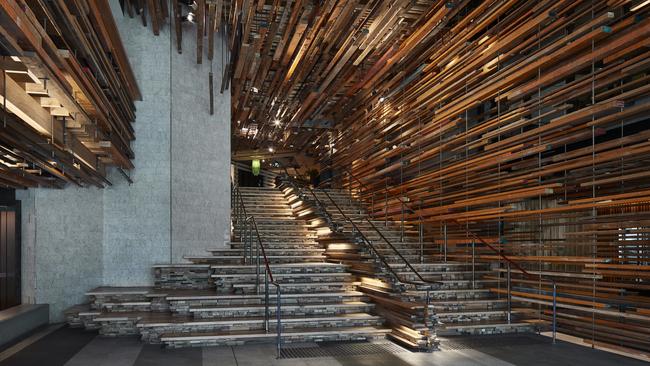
(500, 329)
(333, 309)
(120, 328)
(285, 339)
(183, 278)
(458, 296)
(287, 252)
(457, 307)
(460, 319)
(98, 302)
(294, 289)
(279, 246)
(183, 306)
(282, 270)
(229, 282)
(152, 335)
(239, 260)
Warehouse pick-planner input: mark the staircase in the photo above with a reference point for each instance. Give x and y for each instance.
(219, 298)
(462, 301)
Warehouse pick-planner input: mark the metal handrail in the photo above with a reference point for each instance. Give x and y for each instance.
(484, 242)
(376, 252)
(250, 224)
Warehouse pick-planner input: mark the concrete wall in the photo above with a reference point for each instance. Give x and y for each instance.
(179, 204)
(61, 246)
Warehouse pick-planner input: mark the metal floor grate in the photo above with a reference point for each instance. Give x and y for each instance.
(339, 350)
(490, 341)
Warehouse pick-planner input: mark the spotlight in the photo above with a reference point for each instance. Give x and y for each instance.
(190, 17)
(271, 149)
(277, 122)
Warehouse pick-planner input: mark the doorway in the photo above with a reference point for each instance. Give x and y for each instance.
(9, 255)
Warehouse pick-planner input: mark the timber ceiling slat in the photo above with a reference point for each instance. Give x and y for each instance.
(82, 86)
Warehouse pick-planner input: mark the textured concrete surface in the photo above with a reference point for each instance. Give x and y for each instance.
(62, 245)
(137, 217)
(200, 151)
(179, 204)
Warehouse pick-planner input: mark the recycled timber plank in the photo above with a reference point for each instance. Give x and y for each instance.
(73, 81)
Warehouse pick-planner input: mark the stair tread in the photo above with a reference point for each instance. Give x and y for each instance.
(289, 306)
(484, 324)
(280, 275)
(213, 296)
(172, 320)
(263, 334)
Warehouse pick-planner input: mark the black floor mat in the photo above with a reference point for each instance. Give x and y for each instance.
(335, 349)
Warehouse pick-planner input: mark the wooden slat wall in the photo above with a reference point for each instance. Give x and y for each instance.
(524, 123)
(69, 93)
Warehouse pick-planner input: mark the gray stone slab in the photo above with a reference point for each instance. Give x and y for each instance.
(108, 352)
(219, 356)
(152, 355)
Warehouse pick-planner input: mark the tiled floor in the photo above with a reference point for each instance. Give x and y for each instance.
(71, 347)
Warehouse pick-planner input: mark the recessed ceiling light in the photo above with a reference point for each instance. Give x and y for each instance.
(271, 149)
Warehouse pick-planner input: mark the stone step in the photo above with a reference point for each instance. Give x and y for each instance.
(485, 327)
(271, 258)
(279, 268)
(295, 335)
(180, 302)
(466, 316)
(189, 276)
(455, 294)
(213, 312)
(288, 239)
(152, 330)
(282, 245)
(468, 305)
(269, 252)
(285, 277)
(442, 275)
(298, 287)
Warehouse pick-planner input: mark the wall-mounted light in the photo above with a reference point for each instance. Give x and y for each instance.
(255, 167)
(190, 17)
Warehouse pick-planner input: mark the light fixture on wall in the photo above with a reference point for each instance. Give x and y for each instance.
(190, 17)
(255, 167)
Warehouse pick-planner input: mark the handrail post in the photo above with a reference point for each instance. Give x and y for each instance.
(266, 301)
(257, 270)
(401, 225)
(421, 237)
(473, 264)
(509, 298)
(278, 301)
(386, 205)
(554, 310)
(250, 241)
(444, 250)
